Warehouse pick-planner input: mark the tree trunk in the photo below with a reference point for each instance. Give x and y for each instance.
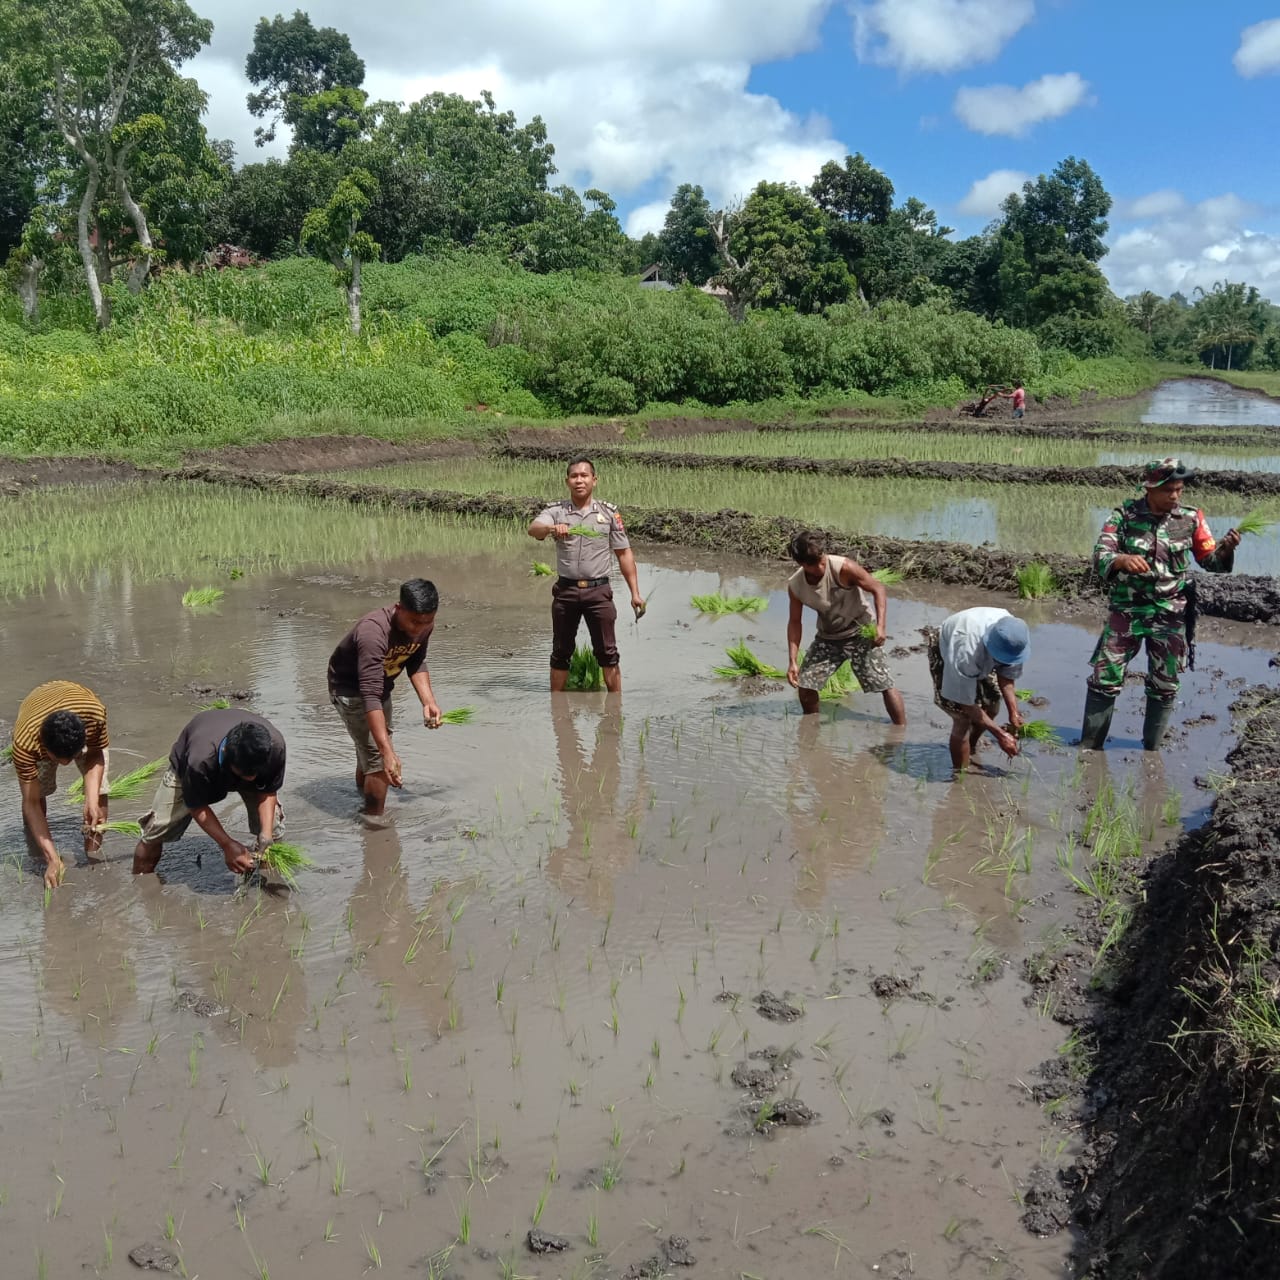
(353, 295)
(1228, 357)
(101, 309)
(29, 286)
(141, 267)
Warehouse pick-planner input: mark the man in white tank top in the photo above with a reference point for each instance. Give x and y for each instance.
(851, 606)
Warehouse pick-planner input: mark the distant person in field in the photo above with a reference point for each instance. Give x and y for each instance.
(1019, 397)
(218, 752)
(975, 659)
(583, 562)
(1144, 555)
(363, 670)
(847, 600)
(60, 723)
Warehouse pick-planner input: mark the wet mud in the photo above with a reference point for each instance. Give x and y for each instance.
(1239, 598)
(1121, 478)
(1181, 1174)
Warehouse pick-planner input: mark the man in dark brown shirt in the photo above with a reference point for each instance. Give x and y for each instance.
(362, 673)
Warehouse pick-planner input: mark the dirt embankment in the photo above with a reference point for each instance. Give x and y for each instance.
(1181, 1176)
(1242, 599)
(331, 453)
(19, 474)
(1248, 483)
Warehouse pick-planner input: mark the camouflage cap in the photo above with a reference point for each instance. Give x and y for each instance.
(1154, 474)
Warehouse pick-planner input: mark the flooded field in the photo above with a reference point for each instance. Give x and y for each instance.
(676, 977)
(1040, 518)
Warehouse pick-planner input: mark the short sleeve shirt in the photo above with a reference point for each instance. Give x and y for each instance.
(37, 706)
(965, 659)
(581, 556)
(198, 760)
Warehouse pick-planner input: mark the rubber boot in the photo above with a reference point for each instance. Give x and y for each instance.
(1098, 710)
(1155, 722)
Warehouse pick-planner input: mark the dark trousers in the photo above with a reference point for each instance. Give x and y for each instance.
(569, 606)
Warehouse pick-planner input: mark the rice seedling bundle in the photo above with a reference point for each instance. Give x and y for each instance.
(459, 715)
(840, 682)
(201, 597)
(218, 704)
(1024, 695)
(868, 630)
(540, 570)
(745, 663)
(1039, 731)
(890, 577)
(6, 753)
(286, 860)
(585, 531)
(585, 675)
(1035, 581)
(124, 828)
(1254, 523)
(719, 605)
(126, 787)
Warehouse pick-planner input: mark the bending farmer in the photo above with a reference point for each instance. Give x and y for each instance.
(849, 603)
(588, 534)
(218, 752)
(1144, 555)
(363, 671)
(975, 658)
(59, 723)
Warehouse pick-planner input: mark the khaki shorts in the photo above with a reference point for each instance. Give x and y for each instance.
(169, 817)
(47, 773)
(368, 757)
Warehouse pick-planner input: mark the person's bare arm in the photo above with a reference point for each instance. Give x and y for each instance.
(267, 806)
(37, 823)
(421, 681)
(795, 633)
(980, 720)
(542, 530)
(852, 574)
(1010, 695)
(627, 567)
(93, 768)
(238, 858)
(382, 740)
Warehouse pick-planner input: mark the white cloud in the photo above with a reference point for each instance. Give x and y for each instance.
(648, 217)
(1216, 239)
(634, 93)
(985, 196)
(936, 35)
(1011, 111)
(1155, 204)
(1259, 51)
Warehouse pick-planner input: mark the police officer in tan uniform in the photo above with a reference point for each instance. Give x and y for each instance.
(583, 561)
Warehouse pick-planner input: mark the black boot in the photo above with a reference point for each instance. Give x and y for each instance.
(1155, 722)
(1098, 709)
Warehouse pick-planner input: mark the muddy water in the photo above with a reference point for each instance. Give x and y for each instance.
(1198, 402)
(519, 993)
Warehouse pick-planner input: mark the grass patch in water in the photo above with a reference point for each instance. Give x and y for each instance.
(745, 663)
(201, 597)
(1035, 581)
(719, 605)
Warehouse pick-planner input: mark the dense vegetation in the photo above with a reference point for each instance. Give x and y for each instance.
(420, 259)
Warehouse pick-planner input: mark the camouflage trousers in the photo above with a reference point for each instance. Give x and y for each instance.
(1123, 635)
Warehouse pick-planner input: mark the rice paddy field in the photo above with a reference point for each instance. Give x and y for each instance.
(677, 979)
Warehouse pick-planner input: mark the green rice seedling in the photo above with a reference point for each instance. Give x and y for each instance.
(584, 531)
(540, 570)
(869, 631)
(1035, 581)
(128, 786)
(464, 1223)
(890, 577)
(610, 1175)
(201, 597)
(133, 829)
(6, 753)
(1039, 731)
(584, 671)
(371, 1251)
(459, 715)
(840, 683)
(218, 704)
(1025, 695)
(285, 860)
(745, 663)
(719, 605)
(1254, 523)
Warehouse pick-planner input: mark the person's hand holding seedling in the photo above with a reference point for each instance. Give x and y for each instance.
(431, 714)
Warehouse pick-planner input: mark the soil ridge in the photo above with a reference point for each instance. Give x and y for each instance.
(1181, 1173)
(1240, 598)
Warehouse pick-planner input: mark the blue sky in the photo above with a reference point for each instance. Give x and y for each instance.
(1173, 102)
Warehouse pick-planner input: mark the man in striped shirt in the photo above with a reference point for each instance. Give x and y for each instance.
(60, 723)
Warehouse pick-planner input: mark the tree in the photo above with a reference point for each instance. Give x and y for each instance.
(853, 192)
(334, 232)
(568, 235)
(1143, 309)
(1068, 209)
(1230, 315)
(292, 61)
(99, 67)
(687, 249)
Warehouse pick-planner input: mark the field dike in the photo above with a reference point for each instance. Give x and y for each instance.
(1181, 1173)
(1242, 599)
(1246, 483)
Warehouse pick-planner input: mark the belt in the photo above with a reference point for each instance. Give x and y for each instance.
(583, 582)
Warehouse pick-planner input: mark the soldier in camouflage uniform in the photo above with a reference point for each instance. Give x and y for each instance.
(1144, 555)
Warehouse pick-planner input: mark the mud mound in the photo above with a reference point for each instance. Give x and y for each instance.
(330, 453)
(1181, 1176)
(1242, 599)
(1121, 479)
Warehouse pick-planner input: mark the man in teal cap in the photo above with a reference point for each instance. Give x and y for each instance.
(1144, 555)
